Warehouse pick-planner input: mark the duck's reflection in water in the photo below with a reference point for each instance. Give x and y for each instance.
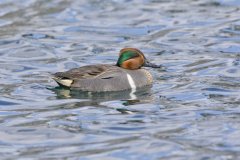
(123, 98)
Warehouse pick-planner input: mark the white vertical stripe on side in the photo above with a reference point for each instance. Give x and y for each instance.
(132, 85)
(131, 82)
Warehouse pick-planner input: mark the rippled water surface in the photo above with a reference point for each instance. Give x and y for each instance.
(191, 112)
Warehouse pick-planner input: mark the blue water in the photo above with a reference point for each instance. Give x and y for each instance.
(191, 112)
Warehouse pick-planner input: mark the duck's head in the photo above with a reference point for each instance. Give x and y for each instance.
(132, 58)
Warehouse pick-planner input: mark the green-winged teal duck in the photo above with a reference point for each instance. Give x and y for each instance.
(126, 74)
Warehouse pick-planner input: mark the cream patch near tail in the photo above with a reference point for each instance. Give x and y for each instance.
(64, 82)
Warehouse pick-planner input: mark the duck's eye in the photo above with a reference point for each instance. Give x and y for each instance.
(126, 56)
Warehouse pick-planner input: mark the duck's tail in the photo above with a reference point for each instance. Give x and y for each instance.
(62, 81)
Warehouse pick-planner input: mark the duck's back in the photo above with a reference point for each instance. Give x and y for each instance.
(98, 78)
